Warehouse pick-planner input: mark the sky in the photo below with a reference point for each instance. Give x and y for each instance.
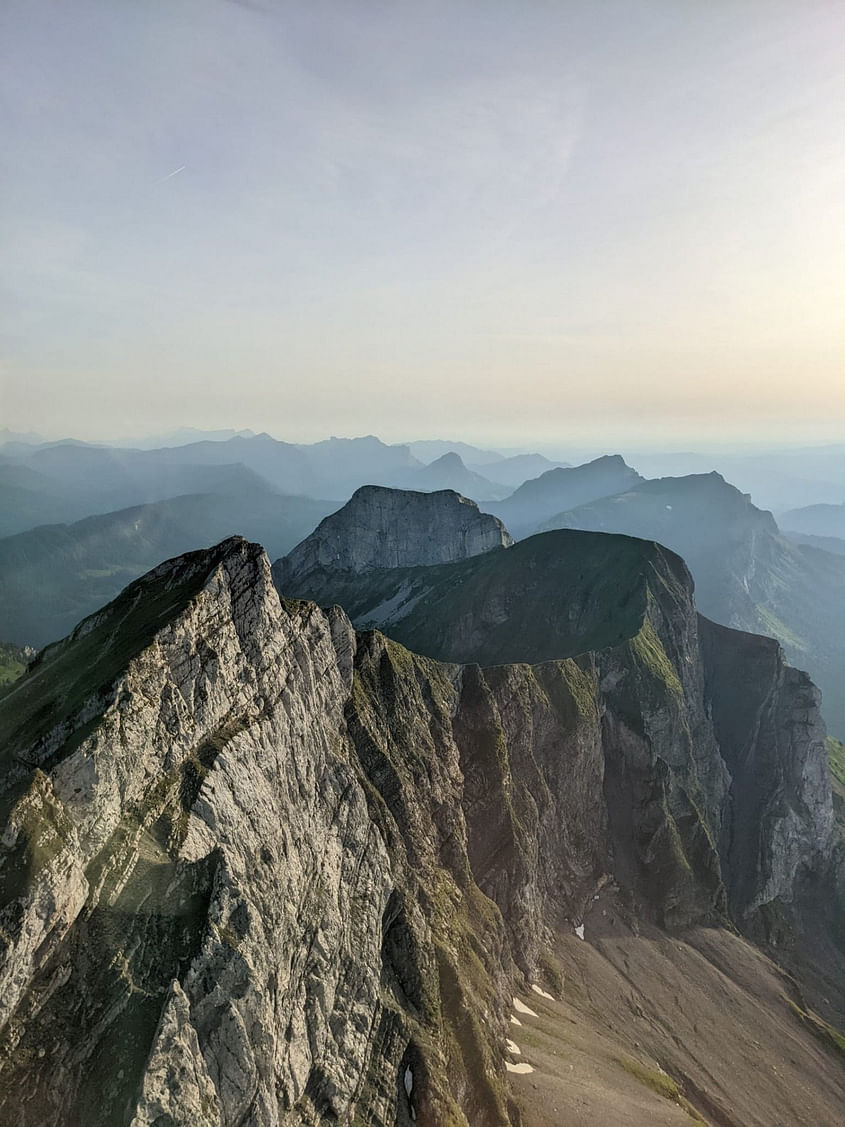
(506, 222)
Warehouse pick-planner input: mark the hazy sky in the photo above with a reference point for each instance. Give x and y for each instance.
(482, 219)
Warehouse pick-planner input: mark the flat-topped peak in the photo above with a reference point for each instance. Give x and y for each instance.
(381, 527)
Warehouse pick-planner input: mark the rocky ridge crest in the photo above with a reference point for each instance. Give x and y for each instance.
(258, 869)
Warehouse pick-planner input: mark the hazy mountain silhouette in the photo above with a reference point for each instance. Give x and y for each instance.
(815, 520)
(537, 500)
(516, 470)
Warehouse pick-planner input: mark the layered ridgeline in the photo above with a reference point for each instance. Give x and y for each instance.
(820, 526)
(258, 869)
(562, 488)
(747, 574)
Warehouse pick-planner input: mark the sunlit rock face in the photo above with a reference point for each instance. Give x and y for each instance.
(258, 869)
(222, 900)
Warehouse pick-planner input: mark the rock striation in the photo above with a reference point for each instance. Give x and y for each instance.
(382, 528)
(256, 868)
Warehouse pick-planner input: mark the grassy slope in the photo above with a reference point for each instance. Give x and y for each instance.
(13, 661)
(836, 758)
(551, 596)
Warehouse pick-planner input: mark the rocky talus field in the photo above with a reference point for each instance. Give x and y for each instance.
(257, 868)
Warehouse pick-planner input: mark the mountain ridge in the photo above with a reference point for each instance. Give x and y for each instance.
(748, 575)
(314, 866)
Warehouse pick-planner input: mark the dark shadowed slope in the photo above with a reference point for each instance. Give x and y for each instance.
(747, 574)
(550, 596)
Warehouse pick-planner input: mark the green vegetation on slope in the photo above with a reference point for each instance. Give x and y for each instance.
(555, 595)
(13, 662)
(836, 758)
(649, 651)
(660, 1083)
(831, 1038)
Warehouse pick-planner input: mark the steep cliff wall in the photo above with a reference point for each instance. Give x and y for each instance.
(706, 728)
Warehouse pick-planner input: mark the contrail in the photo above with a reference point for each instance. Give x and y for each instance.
(175, 172)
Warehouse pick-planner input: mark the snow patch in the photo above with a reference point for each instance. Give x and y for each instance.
(539, 990)
(513, 1048)
(409, 1087)
(515, 1020)
(521, 1008)
(521, 1068)
(579, 931)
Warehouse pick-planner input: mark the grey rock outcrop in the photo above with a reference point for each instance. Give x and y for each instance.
(382, 528)
(196, 884)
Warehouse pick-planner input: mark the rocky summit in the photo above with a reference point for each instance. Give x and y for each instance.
(382, 528)
(259, 869)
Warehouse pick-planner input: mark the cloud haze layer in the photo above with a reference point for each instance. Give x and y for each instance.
(552, 219)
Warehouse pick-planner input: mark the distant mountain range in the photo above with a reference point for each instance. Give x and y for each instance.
(42, 484)
(776, 479)
(535, 501)
(815, 520)
(54, 575)
(748, 573)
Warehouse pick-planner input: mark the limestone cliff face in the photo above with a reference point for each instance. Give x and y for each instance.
(779, 825)
(257, 869)
(706, 732)
(221, 904)
(388, 528)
